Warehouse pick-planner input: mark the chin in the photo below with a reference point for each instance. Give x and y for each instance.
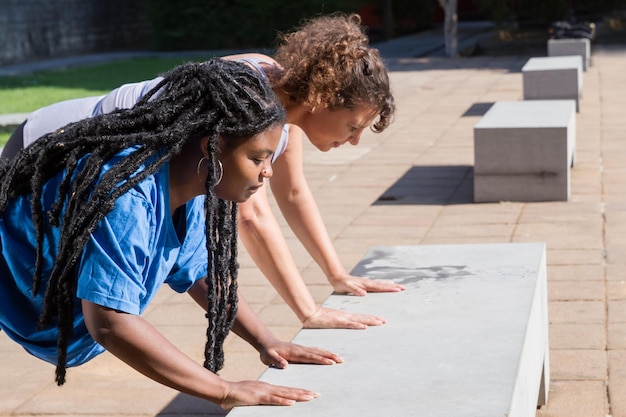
(320, 145)
(235, 198)
(242, 197)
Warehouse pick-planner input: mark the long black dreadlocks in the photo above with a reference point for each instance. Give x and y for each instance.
(215, 98)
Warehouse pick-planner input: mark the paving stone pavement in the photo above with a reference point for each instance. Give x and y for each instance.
(412, 185)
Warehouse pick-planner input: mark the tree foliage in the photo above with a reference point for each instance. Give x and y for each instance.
(222, 24)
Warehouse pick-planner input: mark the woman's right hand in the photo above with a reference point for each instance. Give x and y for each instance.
(262, 393)
(329, 318)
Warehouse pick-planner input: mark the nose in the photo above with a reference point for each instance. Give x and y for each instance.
(355, 139)
(267, 171)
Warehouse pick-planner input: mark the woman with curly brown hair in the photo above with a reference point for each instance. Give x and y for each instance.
(333, 86)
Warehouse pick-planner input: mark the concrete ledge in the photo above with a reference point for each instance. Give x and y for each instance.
(553, 78)
(12, 119)
(523, 151)
(469, 337)
(571, 47)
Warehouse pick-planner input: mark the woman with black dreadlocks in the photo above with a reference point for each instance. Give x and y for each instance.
(333, 86)
(96, 216)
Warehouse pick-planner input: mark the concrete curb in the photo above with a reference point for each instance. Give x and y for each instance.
(13, 119)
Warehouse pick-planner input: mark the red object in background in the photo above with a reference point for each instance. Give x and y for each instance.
(370, 15)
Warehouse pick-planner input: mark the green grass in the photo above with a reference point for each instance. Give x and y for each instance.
(26, 93)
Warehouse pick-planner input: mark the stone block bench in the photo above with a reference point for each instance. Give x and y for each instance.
(523, 151)
(468, 338)
(571, 47)
(553, 78)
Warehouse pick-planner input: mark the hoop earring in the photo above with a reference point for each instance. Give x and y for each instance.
(200, 164)
(221, 174)
(219, 178)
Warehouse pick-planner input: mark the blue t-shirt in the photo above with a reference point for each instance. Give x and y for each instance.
(133, 250)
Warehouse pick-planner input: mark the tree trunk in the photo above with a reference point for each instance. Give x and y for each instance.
(450, 27)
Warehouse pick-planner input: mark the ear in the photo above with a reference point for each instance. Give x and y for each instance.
(204, 146)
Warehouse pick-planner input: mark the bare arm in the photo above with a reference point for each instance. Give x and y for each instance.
(266, 245)
(140, 345)
(297, 204)
(264, 241)
(272, 351)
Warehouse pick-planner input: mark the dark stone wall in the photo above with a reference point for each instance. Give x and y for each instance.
(32, 30)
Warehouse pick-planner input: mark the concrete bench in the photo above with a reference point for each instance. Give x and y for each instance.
(571, 47)
(523, 151)
(469, 337)
(553, 78)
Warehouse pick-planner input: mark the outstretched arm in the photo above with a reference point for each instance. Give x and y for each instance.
(140, 345)
(303, 217)
(297, 204)
(264, 241)
(273, 352)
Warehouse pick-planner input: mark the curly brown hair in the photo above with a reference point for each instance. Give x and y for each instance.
(329, 58)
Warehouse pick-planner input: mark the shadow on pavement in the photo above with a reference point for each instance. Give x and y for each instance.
(437, 185)
(478, 109)
(191, 406)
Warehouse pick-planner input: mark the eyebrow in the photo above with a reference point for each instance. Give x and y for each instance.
(360, 126)
(263, 152)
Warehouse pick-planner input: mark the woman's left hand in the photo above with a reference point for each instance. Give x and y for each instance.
(279, 354)
(350, 284)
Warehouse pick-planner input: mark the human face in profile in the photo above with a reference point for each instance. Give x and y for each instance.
(327, 129)
(246, 164)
